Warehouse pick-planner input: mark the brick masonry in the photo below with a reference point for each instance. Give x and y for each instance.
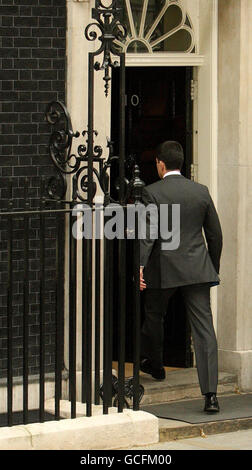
(32, 73)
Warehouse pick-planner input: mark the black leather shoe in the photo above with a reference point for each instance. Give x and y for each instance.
(158, 374)
(145, 366)
(211, 403)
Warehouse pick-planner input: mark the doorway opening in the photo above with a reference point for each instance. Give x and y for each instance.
(158, 108)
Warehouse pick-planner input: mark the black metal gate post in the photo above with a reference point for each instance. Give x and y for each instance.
(107, 18)
(9, 312)
(107, 325)
(59, 310)
(85, 179)
(137, 186)
(122, 245)
(87, 296)
(42, 304)
(72, 316)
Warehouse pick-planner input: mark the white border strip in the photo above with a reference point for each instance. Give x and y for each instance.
(164, 59)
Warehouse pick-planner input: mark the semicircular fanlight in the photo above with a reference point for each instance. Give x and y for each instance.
(156, 25)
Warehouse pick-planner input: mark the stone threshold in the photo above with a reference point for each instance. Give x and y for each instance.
(170, 430)
(182, 384)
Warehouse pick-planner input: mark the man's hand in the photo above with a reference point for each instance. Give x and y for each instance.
(142, 281)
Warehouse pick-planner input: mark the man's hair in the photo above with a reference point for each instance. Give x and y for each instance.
(171, 153)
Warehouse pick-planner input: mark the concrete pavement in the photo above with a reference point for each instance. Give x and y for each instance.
(239, 440)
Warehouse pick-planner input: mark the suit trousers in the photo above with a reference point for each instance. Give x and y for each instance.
(198, 307)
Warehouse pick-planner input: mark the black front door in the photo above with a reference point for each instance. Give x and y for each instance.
(158, 108)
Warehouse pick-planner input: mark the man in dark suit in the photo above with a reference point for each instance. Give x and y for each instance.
(189, 264)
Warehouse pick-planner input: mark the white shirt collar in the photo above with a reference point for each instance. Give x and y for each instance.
(173, 172)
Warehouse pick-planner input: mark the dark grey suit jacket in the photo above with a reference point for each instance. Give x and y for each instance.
(194, 261)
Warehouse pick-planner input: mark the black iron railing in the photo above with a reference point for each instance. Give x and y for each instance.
(102, 259)
(32, 254)
(58, 267)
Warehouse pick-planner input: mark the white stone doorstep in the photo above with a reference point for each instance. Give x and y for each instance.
(100, 432)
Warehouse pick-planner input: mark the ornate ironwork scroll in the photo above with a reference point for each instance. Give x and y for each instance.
(109, 23)
(106, 28)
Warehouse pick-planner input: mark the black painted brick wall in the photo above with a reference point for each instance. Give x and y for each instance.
(32, 73)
